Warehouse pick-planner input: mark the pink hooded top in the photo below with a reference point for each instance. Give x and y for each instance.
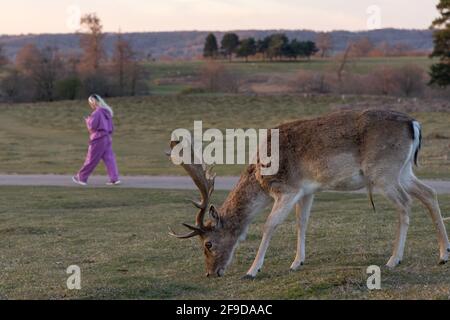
(99, 124)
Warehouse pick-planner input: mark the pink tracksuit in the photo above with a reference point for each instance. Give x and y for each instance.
(101, 128)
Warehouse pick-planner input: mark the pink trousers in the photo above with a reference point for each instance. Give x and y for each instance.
(100, 149)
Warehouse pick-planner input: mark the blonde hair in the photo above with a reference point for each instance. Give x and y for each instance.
(95, 98)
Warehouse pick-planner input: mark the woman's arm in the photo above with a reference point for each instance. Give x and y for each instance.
(93, 121)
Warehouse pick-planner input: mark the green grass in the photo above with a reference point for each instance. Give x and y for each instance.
(362, 66)
(51, 137)
(119, 239)
(165, 89)
(184, 72)
(161, 70)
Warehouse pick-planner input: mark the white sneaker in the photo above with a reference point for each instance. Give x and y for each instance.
(116, 183)
(77, 181)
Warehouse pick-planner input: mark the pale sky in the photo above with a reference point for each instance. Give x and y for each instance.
(60, 16)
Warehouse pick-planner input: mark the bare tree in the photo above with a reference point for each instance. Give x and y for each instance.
(91, 42)
(123, 64)
(362, 47)
(381, 80)
(137, 74)
(344, 61)
(397, 50)
(3, 58)
(401, 50)
(410, 80)
(71, 62)
(313, 82)
(27, 58)
(13, 86)
(42, 67)
(324, 44)
(216, 78)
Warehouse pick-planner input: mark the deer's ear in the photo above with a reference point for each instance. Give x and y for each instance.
(214, 214)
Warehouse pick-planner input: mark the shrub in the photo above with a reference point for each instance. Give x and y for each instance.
(313, 82)
(381, 81)
(192, 90)
(69, 88)
(97, 83)
(214, 77)
(410, 80)
(352, 83)
(15, 86)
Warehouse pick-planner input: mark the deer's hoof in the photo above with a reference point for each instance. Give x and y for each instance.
(393, 262)
(248, 277)
(442, 262)
(296, 266)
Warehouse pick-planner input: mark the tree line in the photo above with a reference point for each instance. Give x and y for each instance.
(45, 74)
(440, 71)
(272, 47)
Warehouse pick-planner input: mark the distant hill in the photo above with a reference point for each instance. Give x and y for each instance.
(189, 44)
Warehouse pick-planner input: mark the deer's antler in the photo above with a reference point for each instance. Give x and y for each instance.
(203, 178)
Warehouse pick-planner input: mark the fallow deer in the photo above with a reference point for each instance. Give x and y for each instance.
(343, 151)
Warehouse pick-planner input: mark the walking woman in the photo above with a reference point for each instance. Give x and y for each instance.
(101, 128)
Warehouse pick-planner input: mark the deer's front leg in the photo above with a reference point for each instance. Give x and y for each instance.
(303, 211)
(283, 205)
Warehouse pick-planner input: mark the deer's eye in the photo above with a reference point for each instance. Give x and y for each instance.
(208, 245)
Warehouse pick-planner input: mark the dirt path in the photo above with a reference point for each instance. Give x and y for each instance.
(150, 182)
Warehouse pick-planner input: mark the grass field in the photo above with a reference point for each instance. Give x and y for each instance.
(175, 76)
(51, 137)
(163, 70)
(119, 239)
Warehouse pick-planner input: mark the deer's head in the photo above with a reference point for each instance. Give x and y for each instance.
(217, 244)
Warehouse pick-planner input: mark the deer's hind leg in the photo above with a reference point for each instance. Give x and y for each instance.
(302, 211)
(402, 202)
(383, 171)
(428, 197)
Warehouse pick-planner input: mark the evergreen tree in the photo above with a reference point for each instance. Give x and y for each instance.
(309, 49)
(277, 45)
(262, 45)
(229, 44)
(247, 48)
(294, 49)
(211, 49)
(440, 72)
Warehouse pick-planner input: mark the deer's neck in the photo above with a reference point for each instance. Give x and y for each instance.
(243, 203)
